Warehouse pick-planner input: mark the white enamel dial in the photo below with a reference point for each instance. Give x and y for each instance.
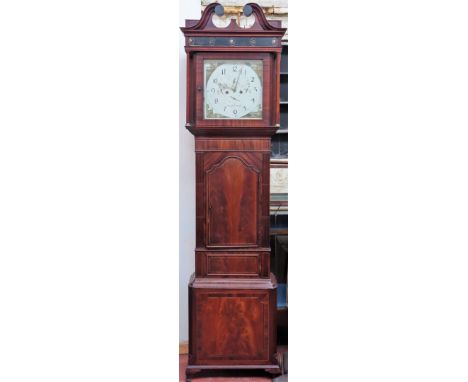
(233, 89)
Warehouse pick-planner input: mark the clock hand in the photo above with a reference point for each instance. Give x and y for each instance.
(240, 71)
(223, 88)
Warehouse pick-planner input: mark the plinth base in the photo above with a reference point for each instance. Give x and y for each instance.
(232, 325)
(229, 370)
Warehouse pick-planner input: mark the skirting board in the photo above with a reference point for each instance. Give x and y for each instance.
(183, 347)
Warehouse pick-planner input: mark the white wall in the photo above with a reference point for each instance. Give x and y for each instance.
(188, 9)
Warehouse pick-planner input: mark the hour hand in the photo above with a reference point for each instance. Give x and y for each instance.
(223, 87)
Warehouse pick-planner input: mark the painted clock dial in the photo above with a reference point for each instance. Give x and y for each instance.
(233, 89)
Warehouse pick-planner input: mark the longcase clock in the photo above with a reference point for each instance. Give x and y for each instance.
(232, 110)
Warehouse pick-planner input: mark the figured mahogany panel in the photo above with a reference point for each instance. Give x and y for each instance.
(233, 144)
(239, 265)
(234, 328)
(232, 264)
(233, 190)
(249, 158)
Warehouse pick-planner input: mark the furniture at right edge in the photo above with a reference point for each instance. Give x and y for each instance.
(279, 203)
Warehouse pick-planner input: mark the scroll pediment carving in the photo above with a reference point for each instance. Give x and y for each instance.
(206, 24)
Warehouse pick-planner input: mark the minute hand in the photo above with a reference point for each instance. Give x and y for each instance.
(235, 87)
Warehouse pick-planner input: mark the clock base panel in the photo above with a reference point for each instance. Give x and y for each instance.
(232, 324)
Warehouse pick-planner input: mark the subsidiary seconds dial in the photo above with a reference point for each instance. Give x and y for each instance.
(233, 91)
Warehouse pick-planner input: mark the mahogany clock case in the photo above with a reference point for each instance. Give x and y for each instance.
(232, 294)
